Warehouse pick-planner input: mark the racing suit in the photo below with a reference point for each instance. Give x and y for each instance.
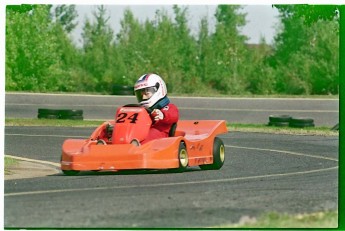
(160, 128)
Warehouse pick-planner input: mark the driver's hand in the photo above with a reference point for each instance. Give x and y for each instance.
(157, 114)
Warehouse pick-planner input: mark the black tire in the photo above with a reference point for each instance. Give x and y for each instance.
(70, 112)
(60, 114)
(47, 116)
(122, 90)
(182, 157)
(71, 117)
(301, 125)
(70, 172)
(218, 156)
(278, 124)
(101, 142)
(45, 111)
(335, 128)
(301, 122)
(279, 118)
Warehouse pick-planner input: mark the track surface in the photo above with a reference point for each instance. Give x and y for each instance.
(262, 173)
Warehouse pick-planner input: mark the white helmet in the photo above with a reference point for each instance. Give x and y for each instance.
(150, 83)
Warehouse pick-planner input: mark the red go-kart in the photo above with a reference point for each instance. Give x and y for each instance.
(115, 145)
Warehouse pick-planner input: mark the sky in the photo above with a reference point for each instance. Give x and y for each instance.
(262, 20)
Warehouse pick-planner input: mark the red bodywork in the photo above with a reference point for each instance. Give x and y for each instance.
(134, 123)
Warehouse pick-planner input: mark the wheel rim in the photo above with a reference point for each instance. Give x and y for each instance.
(183, 158)
(222, 153)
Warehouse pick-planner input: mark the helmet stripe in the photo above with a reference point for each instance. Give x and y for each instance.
(147, 76)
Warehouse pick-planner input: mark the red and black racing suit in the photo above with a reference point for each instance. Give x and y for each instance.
(161, 128)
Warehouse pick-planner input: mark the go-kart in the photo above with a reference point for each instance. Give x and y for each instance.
(115, 145)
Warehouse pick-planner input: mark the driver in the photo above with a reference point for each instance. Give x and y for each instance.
(151, 92)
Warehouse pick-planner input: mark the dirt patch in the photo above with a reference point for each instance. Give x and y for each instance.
(27, 169)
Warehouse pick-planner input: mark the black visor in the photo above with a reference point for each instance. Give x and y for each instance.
(139, 93)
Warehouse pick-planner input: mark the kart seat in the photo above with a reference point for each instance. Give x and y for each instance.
(172, 130)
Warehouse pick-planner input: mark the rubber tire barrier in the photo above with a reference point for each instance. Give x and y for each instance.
(335, 128)
(279, 120)
(301, 122)
(44, 113)
(122, 90)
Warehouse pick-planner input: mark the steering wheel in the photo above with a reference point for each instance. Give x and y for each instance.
(149, 110)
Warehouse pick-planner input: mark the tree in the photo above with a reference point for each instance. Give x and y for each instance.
(307, 63)
(32, 62)
(98, 48)
(228, 64)
(65, 16)
(309, 13)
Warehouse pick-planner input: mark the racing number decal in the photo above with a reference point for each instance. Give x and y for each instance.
(121, 118)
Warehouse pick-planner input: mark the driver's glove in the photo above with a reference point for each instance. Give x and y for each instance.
(157, 114)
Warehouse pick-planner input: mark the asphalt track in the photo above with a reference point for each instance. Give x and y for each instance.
(262, 173)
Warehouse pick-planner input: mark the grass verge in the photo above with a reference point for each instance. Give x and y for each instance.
(262, 128)
(9, 162)
(327, 219)
(52, 122)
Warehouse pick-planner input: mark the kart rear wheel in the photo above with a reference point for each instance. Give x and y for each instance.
(218, 156)
(70, 172)
(182, 157)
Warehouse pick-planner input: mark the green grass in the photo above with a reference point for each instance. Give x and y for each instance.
(328, 219)
(9, 162)
(263, 128)
(213, 94)
(52, 122)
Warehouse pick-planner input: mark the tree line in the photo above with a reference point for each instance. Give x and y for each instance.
(42, 57)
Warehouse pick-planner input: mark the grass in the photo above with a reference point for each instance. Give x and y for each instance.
(263, 128)
(217, 95)
(327, 219)
(9, 162)
(52, 122)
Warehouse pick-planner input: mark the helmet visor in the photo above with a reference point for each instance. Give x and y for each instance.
(148, 92)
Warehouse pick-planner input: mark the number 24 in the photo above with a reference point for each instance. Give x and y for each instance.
(121, 118)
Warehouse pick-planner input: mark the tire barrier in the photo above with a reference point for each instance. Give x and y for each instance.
(122, 90)
(279, 120)
(301, 122)
(68, 114)
(336, 127)
(288, 121)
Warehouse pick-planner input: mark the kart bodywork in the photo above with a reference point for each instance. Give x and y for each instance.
(112, 146)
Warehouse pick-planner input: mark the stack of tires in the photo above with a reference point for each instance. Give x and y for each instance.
(122, 90)
(69, 114)
(286, 120)
(336, 127)
(279, 120)
(301, 122)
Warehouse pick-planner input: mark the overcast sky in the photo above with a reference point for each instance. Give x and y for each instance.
(262, 19)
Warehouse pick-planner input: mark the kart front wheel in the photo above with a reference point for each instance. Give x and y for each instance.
(182, 157)
(218, 156)
(70, 172)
